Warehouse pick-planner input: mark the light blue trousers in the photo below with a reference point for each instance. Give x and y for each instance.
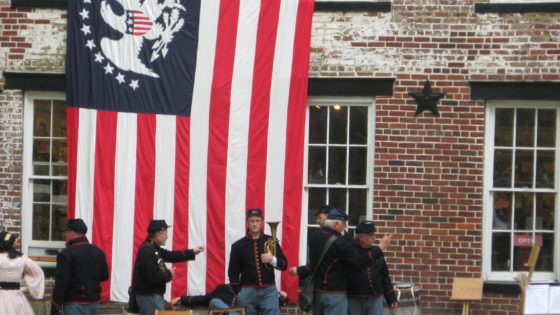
(330, 303)
(365, 306)
(262, 301)
(148, 304)
(80, 309)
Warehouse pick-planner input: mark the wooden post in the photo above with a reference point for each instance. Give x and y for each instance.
(525, 280)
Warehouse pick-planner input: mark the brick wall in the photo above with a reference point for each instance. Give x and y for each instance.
(428, 170)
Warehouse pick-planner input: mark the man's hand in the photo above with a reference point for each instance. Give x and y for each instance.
(385, 241)
(176, 301)
(394, 306)
(198, 250)
(267, 257)
(293, 271)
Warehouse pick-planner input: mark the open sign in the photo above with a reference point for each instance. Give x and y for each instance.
(526, 240)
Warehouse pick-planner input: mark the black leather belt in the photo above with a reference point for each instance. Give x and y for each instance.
(9, 285)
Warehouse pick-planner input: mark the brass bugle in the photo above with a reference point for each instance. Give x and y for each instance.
(270, 244)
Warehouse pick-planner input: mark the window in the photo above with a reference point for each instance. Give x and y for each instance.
(339, 158)
(44, 174)
(521, 188)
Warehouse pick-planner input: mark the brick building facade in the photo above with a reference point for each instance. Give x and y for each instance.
(432, 177)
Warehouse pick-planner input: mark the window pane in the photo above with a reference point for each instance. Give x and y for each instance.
(545, 169)
(41, 150)
(317, 124)
(42, 190)
(504, 127)
(41, 219)
(58, 222)
(502, 168)
(337, 165)
(521, 250)
(524, 168)
(358, 125)
(42, 119)
(337, 198)
(338, 124)
(524, 211)
(316, 165)
(525, 127)
(546, 255)
(59, 191)
(357, 205)
(357, 168)
(317, 198)
(546, 130)
(59, 119)
(59, 155)
(545, 211)
(502, 211)
(501, 245)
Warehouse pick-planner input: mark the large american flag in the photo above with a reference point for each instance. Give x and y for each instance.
(193, 116)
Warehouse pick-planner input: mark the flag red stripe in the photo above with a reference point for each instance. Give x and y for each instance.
(145, 177)
(72, 121)
(143, 23)
(220, 99)
(181, 211)
(104, 189)
(295, 134)
(260, 103)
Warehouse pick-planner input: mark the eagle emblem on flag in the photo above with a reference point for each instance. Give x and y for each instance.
(141, 22)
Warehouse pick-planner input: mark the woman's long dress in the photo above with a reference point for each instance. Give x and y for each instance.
(13, 270)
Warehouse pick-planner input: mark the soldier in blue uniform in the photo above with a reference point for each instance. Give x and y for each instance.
(251, 268)
(330, 281)
(150, 273)
(367, 286)
(80, 268)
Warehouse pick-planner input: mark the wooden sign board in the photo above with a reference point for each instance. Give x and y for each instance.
(467, 289)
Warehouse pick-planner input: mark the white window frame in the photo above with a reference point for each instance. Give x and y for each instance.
(331, 101)
(27, 185)
(487, 199)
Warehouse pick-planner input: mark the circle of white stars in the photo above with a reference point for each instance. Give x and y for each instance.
(99, 58)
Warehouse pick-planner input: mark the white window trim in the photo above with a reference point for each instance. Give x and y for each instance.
(334, 100)
(27, 196)
(487, 201)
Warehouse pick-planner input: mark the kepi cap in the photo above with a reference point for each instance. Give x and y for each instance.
(324, 209)
(365, 227)
(157, 225)
(337, 214)
(254, 212)
(76, 225)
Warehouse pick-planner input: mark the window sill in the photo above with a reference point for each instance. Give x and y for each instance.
(53, 4)
(517, 7)
(355, 6)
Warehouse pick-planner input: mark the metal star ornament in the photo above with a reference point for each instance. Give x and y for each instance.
(427, 99)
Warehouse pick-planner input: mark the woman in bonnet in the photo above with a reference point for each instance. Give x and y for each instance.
(13, 267)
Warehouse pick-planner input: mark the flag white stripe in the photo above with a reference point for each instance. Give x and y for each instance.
(164, 188)
(240, 110)
(123, 229)
(85, 167)
(279, 97)
(209, 12)
(278, 115)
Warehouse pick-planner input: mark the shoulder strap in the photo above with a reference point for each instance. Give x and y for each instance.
(323, 252)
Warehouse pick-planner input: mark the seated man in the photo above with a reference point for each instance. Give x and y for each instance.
(221, 297)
